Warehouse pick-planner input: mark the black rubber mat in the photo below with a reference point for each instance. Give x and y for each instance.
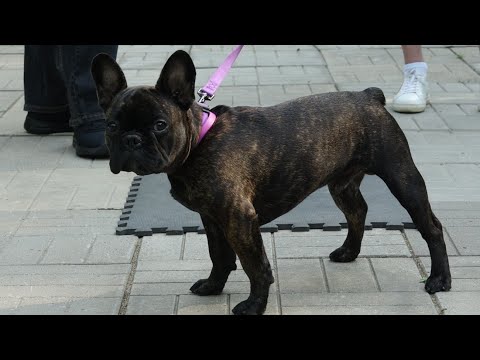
(150, 209)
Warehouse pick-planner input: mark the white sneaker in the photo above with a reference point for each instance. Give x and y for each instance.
(413, 94)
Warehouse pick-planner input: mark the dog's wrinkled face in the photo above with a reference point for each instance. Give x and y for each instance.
(149, 129)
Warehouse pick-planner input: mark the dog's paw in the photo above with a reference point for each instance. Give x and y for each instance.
(205, 287)
(342, 254)
(250, 307)
(438, 283)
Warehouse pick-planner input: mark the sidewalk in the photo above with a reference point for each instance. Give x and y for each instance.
(59, 253)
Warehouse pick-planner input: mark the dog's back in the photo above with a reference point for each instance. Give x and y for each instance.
(285, 152)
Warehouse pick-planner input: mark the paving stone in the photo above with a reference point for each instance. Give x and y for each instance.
(13, 119)
(455, 87)
(322, 88)
(419, 245)
(318, 244)
(15, 84)
(465, 272)
(465, 175)
(441, 155)
(151, 305)
(187, 276)
(445, 110)
(196, 247)
(397, 274)
(161, 289)
(24, 250)
(468, 122)
(454, 98)
(66, 269)
(62, 291)
(8, 98)
(11, 74)
(82, 286)
(361, 310)
(435, 175)
(71, 249)
(22, 190)
(385, 303)
(3, 139)
(469, 109)
(293, 75)
(202, 305)
(43, 306)
(63, 231)
(68, 306)
(10, 221)
(405, 121)
(288, 57)
(429, 120)
(355, 276)
(72, 218)
(300, 275)
(175, 264)
(65, 277)
(8, 305)
(460, 303)
(95, 306)
(366, 73)
(465, 239)
(111, 249)
(160, 247)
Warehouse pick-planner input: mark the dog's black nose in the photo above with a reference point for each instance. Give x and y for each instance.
(132, 141)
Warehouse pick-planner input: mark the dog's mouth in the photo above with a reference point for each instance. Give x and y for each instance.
(136, 161)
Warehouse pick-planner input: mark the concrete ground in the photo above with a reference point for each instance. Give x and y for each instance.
(59, 253)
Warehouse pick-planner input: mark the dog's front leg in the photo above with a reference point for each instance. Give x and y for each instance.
(223, 259)
(243, 234)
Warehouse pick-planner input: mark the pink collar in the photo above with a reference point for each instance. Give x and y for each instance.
(208, 120)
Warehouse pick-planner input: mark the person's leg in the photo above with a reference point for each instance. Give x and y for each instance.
(412, 53)
(413, 94)
(87, 117)
(45, 93)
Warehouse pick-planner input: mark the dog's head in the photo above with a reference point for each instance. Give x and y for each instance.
(150, 129)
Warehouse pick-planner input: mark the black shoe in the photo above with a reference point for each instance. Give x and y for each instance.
(89, 140)
(42, 124)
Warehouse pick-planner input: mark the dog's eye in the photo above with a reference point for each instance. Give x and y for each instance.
(160, 125)
(112, 126)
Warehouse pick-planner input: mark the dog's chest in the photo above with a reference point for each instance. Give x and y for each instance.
(185, 195)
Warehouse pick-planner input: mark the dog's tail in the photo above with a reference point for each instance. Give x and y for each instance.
(376, 93)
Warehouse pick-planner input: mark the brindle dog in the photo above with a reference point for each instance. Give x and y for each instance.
(257, 163)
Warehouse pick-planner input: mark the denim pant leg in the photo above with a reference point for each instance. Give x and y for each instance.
(43, 85)
(75, 66)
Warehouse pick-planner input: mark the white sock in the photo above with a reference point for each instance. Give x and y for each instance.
(421, 68)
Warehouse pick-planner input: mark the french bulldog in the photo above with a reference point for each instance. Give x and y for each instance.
(257, 163)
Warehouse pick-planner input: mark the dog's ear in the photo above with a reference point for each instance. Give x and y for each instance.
(109, 79)
(177, 79)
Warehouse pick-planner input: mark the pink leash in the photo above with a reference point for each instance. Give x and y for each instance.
(208, 91)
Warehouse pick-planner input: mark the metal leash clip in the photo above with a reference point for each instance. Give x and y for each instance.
(204, 96)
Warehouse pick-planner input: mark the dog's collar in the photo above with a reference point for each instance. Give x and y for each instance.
(208, 119)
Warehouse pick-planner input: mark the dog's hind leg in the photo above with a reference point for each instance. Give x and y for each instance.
(223, 259)
(348, 198)
(407, 185)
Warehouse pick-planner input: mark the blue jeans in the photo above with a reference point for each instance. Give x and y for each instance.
(57, 78)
